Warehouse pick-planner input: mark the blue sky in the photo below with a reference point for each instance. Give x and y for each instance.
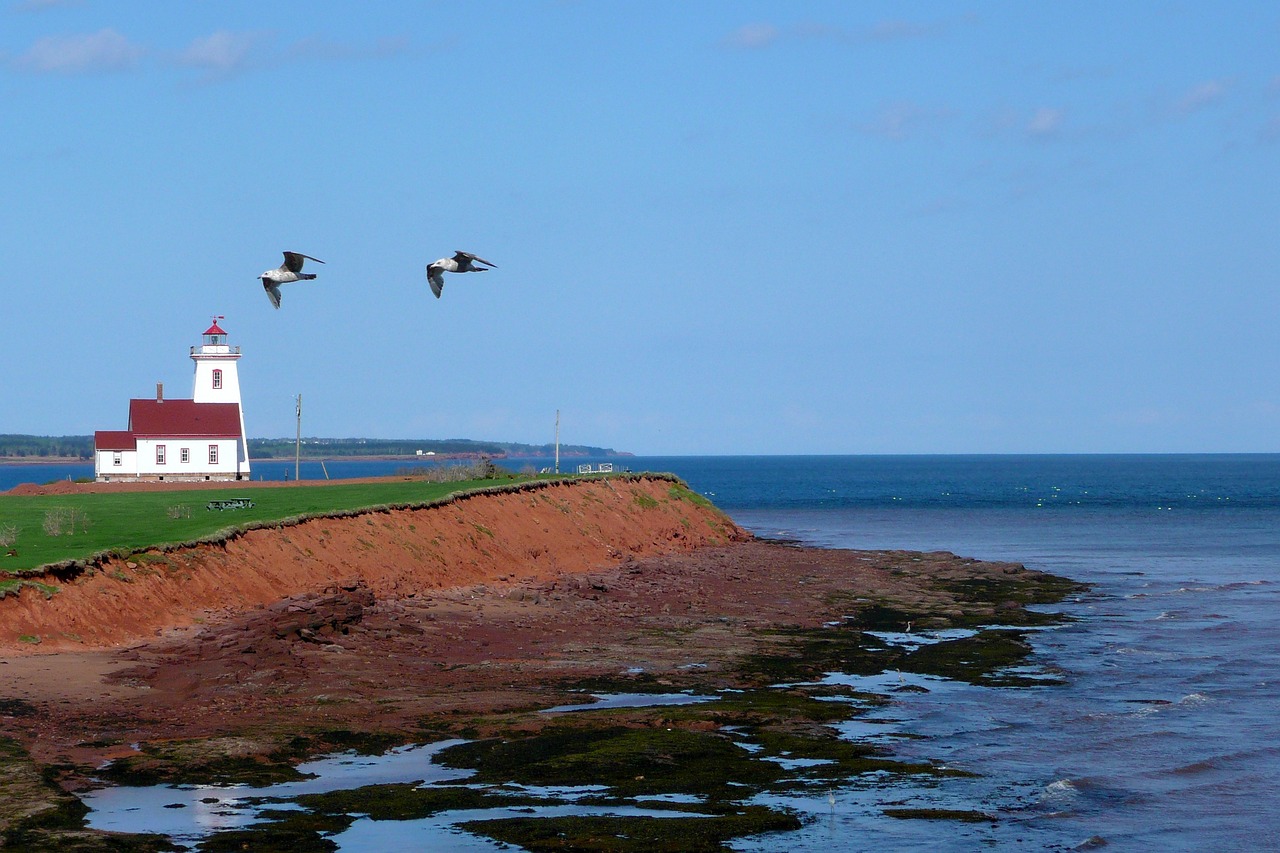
(720, 227)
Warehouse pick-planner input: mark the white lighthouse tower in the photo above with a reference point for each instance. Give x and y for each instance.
(218, 381)
(216, 378)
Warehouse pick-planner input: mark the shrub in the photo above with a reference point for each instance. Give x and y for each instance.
(54, 520)
(59, 520)
(456, 473)
(8, 535)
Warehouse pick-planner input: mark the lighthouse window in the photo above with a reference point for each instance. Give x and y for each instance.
(115, 458)
(213, 454)
(217, 378)
(184, 455)
(159, 454)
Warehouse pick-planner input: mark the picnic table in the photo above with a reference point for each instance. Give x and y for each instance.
(229, 503)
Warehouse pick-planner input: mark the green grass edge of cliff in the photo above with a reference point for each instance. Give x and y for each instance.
(42, 535)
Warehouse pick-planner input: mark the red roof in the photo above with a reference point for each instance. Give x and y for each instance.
(150, 418)
(106, 439)
(215, 329)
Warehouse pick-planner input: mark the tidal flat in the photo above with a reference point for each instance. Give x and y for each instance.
(765, 724)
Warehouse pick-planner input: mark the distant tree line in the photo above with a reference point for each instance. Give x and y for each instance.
(81, 447)
(45, 446)
(329, 448)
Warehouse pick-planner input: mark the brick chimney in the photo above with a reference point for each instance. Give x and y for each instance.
(159, 392)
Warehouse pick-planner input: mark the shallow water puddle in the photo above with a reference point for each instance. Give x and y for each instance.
(441, 833)
(912, 640)
(187, 812)
(605, 701)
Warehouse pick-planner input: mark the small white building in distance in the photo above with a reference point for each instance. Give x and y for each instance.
(198, 439)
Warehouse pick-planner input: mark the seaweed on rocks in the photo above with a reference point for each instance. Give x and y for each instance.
(639, 834)
(37, 815)
(245, 760)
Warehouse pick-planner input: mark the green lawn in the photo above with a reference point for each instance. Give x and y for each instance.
(125, 522)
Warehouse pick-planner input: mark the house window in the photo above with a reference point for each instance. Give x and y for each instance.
(184, 455)
(213, 454)
(217, 379)
(115, 458)
(159, 454)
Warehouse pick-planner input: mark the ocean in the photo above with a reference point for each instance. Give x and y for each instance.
(1165, 733)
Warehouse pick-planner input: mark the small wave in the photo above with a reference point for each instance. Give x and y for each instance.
(1063, 789)
(1236, 765)
(1147, 654)
(1154, 654)
(1197, 767)
(1147, 707)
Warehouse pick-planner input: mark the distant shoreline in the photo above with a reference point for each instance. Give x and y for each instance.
(44, 460)
(78, 460)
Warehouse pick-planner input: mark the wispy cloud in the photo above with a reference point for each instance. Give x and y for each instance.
(226, 53)
(904, 119)
(762, 35)
(103, 51)
(1200, 96)
(1045, 122)
(753, 36)
(223, 52)
(220, 54)
(1041, 124)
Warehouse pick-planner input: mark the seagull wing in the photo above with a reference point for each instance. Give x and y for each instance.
(435, 277)
(273, 291)
(293, 261)
(458, 256)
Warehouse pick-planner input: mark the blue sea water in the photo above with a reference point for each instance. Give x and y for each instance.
(1166, 731)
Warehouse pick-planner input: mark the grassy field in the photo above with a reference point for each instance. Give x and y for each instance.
(52, 529)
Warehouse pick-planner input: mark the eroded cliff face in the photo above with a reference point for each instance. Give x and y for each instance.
(482, 538)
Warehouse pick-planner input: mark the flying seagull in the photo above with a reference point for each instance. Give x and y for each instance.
(460, 262)
(290, 270)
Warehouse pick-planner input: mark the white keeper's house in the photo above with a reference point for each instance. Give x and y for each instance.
(198, 439)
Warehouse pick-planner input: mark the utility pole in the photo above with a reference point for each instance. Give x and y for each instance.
(557, 441)
(297, 443)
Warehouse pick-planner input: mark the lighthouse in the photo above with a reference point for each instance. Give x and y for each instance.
(217, 381)
(202, 438)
